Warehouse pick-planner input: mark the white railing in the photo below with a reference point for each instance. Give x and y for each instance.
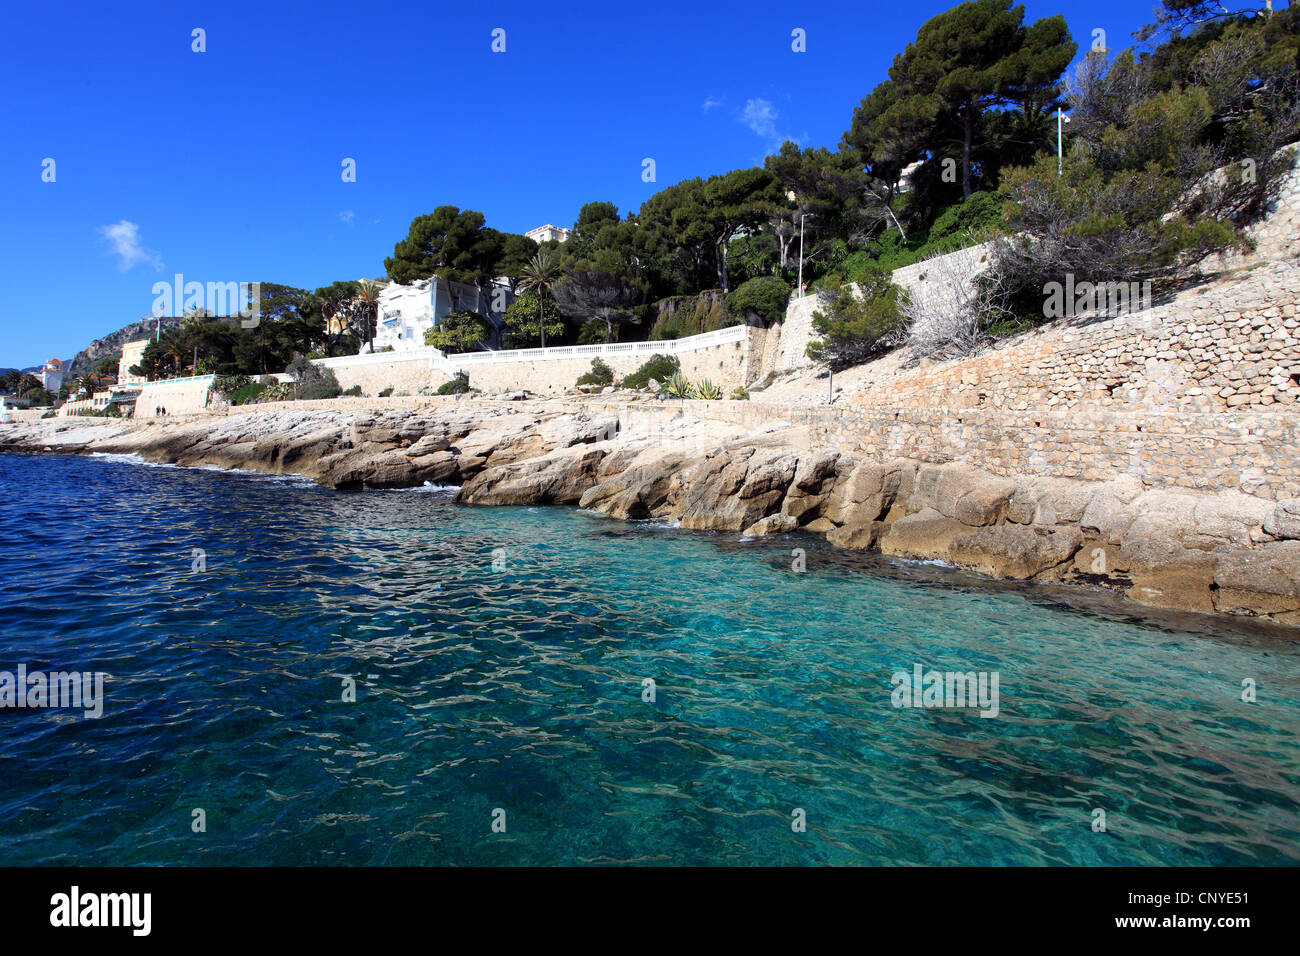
(434, 357)
(735, 333)
(451, 364)
(176, 381)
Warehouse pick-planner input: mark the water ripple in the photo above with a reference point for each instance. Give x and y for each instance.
(520, 687)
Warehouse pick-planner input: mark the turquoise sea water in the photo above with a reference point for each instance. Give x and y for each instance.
(520, 688)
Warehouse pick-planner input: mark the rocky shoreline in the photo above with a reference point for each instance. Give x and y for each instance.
(1224, 553)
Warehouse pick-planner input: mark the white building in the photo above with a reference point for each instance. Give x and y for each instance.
(905, 177)
(52, 376)
(406, 312)
(548, 232)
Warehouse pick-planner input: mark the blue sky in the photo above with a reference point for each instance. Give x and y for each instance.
(225, 165)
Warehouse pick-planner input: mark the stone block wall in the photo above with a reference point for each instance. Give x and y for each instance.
(1234, 344)
(1256, 453)
(796, 333)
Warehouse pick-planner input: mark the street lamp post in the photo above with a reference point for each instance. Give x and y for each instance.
(802, 216)
(1059, 121)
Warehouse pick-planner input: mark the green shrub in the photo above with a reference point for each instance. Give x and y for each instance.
(325, 387)
(277, 392)
(386, 392)
(657, 367)
(683, 315)
(966, 222)
(595, 332)
(228, 385)
(854, 329)
(456, 386)
(312, 381)
(766, 296)
(600, 374)
(246, 393)
(740, 394)
(459, 331)
(354, 391)
(828, 283)
(678, 387)
(706, 390)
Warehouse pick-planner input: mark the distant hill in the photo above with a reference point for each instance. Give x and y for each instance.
(111, 344)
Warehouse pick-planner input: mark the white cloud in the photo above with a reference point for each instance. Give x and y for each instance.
(761, 116)
(709, 103)
(125, 239)
(347, 215)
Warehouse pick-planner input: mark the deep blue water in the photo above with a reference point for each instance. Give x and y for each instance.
(520, 688)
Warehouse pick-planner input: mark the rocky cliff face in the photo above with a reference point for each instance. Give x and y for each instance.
(111, 344)
(1229, 553)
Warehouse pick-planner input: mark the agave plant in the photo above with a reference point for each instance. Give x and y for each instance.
(678, 387)
(707, 391)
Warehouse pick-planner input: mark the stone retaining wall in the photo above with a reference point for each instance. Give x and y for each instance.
(728, 365)
(1257, 453)
(1233, 344)
(178, 396)
(400, 374)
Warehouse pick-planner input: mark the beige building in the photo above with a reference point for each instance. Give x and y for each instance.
(132, 353)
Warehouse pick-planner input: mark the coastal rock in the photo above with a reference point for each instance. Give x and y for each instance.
(1107, 517)
(1015, 551)
(864, 494)
(1263, 581)
(1049, 501)
(1167, 546)
(1165, 574)
(1284, 522)
(1231, 517)
(635, 493)
(558, 478)
(812, 484)
(772, 524)
(733, 490)
(859, 537)
(957, 490)
(925, 535)
(365, 468)
(1096, 558)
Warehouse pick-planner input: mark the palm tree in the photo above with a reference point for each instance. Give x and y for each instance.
(541, 273)
(175, 348)
(367, 302)
(191, 325)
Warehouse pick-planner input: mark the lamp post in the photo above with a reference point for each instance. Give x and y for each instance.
(1059, 121)
(802, 215)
